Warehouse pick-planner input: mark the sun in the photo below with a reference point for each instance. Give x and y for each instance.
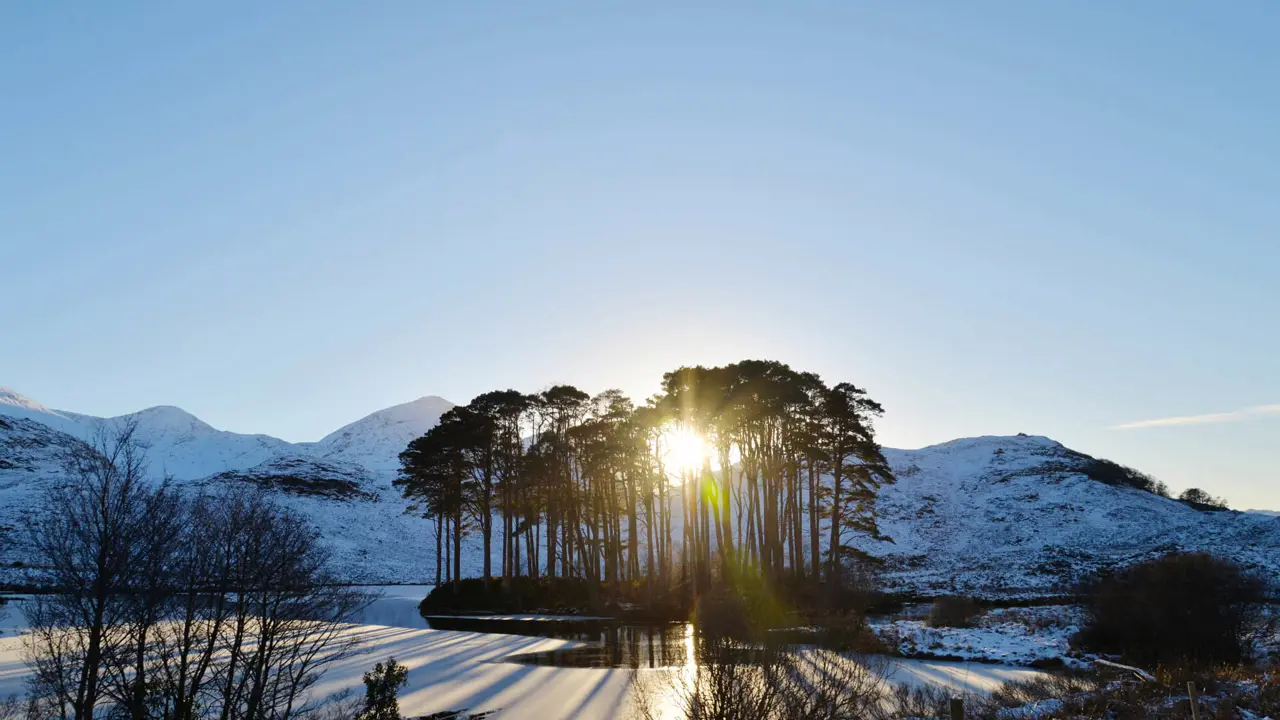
(686, 450)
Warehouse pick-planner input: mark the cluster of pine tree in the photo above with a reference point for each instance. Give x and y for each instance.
(587, 487)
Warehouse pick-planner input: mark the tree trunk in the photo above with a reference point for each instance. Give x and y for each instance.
(814, 550)
(833, 571)
(457, 552)
(439, 544)
(726, 495)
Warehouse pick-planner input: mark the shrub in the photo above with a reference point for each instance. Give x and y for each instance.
(957, 612)
(1201, 500)
(523, 594)
(743, 612)
(1111, 473)
(381, 687)
(1190, 609)
(848, 633)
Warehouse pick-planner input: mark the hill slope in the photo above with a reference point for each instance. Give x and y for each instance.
(991, 516)
(376, 440)
(1021, 515)
(362, 519)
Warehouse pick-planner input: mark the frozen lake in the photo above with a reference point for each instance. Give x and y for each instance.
(450, 670)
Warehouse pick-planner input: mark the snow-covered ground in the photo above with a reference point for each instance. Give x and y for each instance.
(1014, 636)
(462, 670)
(992, 517)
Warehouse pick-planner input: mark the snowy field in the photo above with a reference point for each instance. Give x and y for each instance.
(462, 670)
(1015, 636)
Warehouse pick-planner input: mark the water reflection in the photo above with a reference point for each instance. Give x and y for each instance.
(622, 646)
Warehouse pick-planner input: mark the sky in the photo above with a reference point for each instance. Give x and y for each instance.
(998, 217)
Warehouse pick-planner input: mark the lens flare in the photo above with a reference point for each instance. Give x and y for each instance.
(686, 450)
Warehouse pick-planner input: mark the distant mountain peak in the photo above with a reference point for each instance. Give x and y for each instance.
(429, 400)
(169, 417)
(992, 516)
(16, 405)
(376, 439)
(1021, 440)
(9, 396)
(429, 407)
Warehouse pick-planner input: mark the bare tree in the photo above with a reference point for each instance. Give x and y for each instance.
(177, 608)
(187, 645)
(86, 534)
(148, 589)
(287, 618)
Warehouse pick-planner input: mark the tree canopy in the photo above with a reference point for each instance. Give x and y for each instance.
(751, 468)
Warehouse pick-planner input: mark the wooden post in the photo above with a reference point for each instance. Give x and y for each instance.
(1195, 707)
(957, 709)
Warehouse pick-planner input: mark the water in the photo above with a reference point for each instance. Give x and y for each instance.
(621, 646)
(613, 645)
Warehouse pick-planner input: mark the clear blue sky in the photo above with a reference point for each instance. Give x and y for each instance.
(1052, 218)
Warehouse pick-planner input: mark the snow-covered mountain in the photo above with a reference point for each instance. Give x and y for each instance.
(1025, 515)
(352, 503)
(996, 516)
(16, 406)
(184, 447)
(376, 440)
(179, 444)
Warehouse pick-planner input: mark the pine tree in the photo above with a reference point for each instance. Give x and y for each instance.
(381, 688)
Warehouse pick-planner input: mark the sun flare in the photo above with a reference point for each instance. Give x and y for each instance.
(686, 450)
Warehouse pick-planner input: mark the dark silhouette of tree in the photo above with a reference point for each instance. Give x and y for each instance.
(435, 472)
(1199, 498)
(592, 483)
(858, 468)
(1179, 610)
(90, 533)
(162, 605)
(381, 691)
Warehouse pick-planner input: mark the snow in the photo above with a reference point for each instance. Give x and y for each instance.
(1014, 517)
(997, 517)
(376, 440)
(14, 405)
(1014, 636)
(1031, 710)
(451, 670)
(12, 398)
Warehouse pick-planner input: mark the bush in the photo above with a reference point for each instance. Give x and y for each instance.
(743, 612)
(849, 633)
(956, 612)
(381, 686)
(1111, 473)
(1192, 610)
(1201, 500)
(561, 596)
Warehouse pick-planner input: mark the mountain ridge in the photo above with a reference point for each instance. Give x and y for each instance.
(995, 516)
(185, 447)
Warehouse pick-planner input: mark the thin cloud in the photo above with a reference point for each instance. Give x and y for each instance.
(1249, 413)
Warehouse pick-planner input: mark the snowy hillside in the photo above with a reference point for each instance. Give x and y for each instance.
(1007, 516)
(362, 520)
(180, 445)
(375, 441)
(14, 405)
(1020, 515)
(29, 454)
